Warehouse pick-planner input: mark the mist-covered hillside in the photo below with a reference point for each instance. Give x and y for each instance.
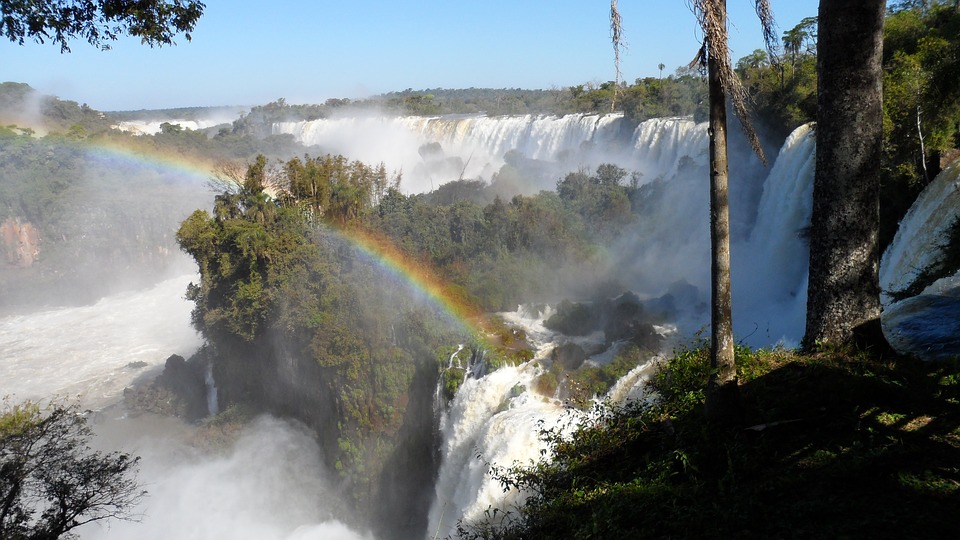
(86, 209)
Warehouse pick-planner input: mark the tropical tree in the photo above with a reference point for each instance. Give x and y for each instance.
(722, 385)
(155, 22)
(800, 40)
(51, 481)
(722, 392)
(844, 291)
(921, 64)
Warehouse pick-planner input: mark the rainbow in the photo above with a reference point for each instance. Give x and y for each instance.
(451, 299)
(117, 153)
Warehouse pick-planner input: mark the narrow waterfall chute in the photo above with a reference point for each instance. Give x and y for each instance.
(213, 406)
(770, 267)
(921, 238)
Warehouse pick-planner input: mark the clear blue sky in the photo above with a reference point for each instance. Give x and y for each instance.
(246, 53)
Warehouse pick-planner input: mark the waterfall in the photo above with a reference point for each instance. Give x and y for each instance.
(453, 356)
(661, 145)
(495, 418)
(213, 407)
(769, 269)
(667, 248)
(492, 420)
(920, 236)
(438, 400)
(473, 146)
(495, 422)
(928, 324)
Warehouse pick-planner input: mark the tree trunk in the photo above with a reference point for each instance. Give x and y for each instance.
(721, 396)
(844, 292)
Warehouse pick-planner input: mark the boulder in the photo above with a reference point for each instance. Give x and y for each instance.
(569, 356)
(180, 390)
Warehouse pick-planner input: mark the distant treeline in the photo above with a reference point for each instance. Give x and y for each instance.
(675, 95)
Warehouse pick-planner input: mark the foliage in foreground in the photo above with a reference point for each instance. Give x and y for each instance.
(826, 446)
(51, 481)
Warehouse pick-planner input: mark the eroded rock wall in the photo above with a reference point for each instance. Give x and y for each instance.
(20, 242)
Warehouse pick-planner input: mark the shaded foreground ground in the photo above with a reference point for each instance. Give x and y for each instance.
(832, 445)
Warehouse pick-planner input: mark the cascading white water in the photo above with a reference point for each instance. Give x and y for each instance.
(93, 352)
(668, 249)
(493, 415)
(769, 269)
(495, 421)
(669, 245)
(479, 142)
(661, 144)
(928, 324)
(213, 405)
(152, 127)
(212, 118)
(268, 485)
(920, 237)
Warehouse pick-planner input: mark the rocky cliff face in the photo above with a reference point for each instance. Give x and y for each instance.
(392, 490)
(19, 242)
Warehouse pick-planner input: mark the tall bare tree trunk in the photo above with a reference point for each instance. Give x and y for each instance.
(722, 393)
(844, 293)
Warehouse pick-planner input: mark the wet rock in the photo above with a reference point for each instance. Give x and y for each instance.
(570, 356)
(178, 391)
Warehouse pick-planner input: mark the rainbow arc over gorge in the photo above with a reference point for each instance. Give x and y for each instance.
(452, 301)
(110, 152)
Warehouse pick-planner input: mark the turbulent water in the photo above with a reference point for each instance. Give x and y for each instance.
(268, 485)
(92, 352)
(257, 488)
(928, 324)
(496, 420)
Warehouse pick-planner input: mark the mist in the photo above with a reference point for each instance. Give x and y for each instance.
(464, 146)
(201, 119)
(23, 107)
(263, 480)
(106, 222)
(267, 484)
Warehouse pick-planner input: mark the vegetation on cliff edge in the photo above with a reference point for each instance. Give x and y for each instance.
(839, 444)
